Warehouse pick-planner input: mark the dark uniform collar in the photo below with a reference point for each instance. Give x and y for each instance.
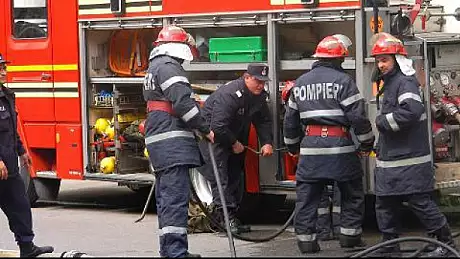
(5, 91)
(333, 65)
(388, 76)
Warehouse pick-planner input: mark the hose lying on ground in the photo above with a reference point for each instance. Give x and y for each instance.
(378, 246)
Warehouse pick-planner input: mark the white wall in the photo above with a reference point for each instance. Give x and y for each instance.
(451, 25)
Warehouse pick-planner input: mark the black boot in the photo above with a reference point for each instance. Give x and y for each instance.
(443, 235)
(192, 255)
(308, 247)
(390, 250)
(237, 228)
(30, 250)
(351, 241)
(430, 247)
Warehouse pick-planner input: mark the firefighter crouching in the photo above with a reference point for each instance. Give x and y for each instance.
(13, 196)
(327, 102)
(171, 144)
(230, 111)
(403, 167)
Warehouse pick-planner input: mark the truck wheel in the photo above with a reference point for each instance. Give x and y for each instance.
(249, 201)
(201, 185)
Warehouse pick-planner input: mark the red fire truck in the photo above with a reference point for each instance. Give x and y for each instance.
(75, 62)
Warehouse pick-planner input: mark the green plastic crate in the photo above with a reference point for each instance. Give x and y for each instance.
(237, 49)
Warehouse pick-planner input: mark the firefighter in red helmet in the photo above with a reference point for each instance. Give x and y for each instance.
(403, 167)
(326, 102)
(172, 116)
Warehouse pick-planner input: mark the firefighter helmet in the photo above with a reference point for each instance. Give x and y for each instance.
(175, 42)
(110, 132)
(343, 39)
(387, 44)
(101, 125)
(107, 165)
(173, 33)
(330, 47)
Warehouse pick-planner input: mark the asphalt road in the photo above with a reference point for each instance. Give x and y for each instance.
(97, 218)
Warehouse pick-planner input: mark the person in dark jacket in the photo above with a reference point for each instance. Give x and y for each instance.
(171, 144)
(404, 171)
(328, 222)
(324, 105)
(13, 197)
(231, 110)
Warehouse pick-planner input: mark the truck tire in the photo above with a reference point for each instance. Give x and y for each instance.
(249, 204)
(201, 185)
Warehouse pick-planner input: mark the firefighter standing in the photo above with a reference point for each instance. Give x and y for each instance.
(403, 167)
(327, 101)
(328, 223)
(230, 111)
(13, 196)
(171, 144)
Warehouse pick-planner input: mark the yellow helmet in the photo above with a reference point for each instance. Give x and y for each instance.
(101, 125)
(146, 153)
(107, 165)
(110, 132)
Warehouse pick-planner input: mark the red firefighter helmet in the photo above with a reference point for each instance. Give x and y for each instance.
(387, 44)
(173, 33)
(330, 47)
(287, 91)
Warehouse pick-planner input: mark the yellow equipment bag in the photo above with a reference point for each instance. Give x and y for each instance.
(128, 53)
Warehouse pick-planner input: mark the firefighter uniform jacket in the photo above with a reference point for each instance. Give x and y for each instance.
(231, 110)
(169, 137)
(326, 96)
(403, 163)
(10, 144)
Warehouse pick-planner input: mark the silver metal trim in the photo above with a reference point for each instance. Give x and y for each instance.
(86, 152)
